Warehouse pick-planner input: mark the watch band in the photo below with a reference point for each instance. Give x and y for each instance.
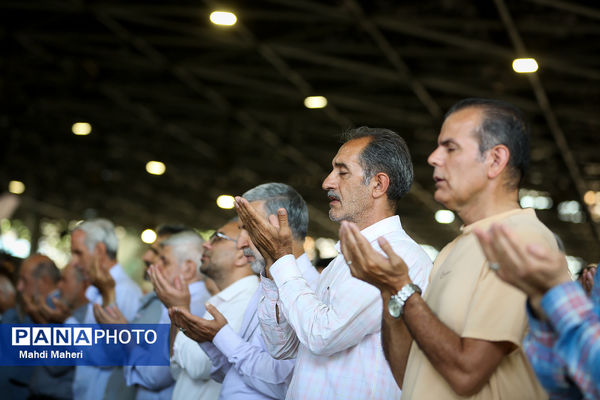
(397, 301)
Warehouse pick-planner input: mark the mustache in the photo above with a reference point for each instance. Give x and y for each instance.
(333, 195)
(248, 252)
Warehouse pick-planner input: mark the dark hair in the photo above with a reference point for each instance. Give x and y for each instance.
(503, 123)
(386, 152)
(46, 267)
(279, 195)
(168, 230)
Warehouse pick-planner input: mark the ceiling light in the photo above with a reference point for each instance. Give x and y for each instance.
(224, 18)
(148, 236)
(16, 187)
(315, 102)
(590, 197)
(525, 65)
(444, 216)
(81, 128)
(226, 201)
(155, 167)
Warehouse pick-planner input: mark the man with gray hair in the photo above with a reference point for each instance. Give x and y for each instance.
(335, 329)
(94, 246)
(240, 359)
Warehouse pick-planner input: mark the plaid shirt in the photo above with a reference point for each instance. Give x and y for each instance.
(335, 330)
(565, 350)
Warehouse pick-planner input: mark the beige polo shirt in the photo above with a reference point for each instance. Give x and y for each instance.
(472, 301)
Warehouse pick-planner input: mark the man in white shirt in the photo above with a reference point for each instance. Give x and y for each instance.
(240, 358)
(94, 247)
(335, 330)
(227, 265)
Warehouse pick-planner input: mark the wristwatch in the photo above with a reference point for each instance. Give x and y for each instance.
(397, 301)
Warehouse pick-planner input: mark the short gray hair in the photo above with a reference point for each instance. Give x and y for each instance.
(187, 245)
(386, 152)
(279, 195)
(100, 230)
(46, 267)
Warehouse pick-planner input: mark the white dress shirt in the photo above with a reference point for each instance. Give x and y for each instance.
(190, 366)
(335, 331)
(90, 382)
(241, 361)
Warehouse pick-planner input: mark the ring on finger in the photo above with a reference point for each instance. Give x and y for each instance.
(494, 266)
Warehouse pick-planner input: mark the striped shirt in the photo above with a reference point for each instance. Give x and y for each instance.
(565, 349)
(335, 330)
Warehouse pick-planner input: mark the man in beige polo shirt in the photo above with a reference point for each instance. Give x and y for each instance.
(468, 327)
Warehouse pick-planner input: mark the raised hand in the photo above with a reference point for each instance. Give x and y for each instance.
(531, 268)
(56, 315)
(176, 295)
(102, 279)
(109, 315)
(367, 264)
(196, 328)
(273, 238)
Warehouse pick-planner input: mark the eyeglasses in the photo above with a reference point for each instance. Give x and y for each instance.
(215, 237)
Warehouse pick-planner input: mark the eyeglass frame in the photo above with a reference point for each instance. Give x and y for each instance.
(220, 235)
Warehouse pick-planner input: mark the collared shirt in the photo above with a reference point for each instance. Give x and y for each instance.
(190, 366)
(472, 301)
(565, 349)
(335, 330)
(90, 382)
(241, 361)
(154, 382)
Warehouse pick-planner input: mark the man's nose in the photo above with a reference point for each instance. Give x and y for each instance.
(328, 182)
(434, 158)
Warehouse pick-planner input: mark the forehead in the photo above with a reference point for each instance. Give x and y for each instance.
(461, 125)
(350, 151)
(230, 229)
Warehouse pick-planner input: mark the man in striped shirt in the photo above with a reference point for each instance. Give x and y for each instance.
(335, 330)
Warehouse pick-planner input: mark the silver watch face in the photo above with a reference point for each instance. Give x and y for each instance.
(394, 307)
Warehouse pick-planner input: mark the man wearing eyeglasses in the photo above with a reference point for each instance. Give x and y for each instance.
(226, 264)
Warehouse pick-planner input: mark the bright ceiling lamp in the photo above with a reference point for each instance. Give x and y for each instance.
(16, 187)
(226, 201)
(525, 65)
(81, 128)
(315, 102)
(444, 216)
(148, 236)
(223, 18)
(155, 167)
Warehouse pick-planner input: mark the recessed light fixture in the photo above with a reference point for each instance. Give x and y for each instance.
(155, 167)
(81, 128)
(315, 102)
(223, 18)
(148, 236)
(525, 65)
(226, 201)
(16, 187)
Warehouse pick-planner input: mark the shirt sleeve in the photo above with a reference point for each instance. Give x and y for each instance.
(279, 337)
(151, 377)
(577, 326)
(549, 368)
(351, 310)
(220, 364)
(189, 356)
(256, 367)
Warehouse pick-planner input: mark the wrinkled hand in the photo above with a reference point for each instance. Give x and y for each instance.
(109, 315)
(532, 268)
(56, 315)
(176, 295)
(196, 328)
(273, 238)
(587, 278)
(386, 273)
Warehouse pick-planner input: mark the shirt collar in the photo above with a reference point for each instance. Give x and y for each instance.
(196, 287)
(378, 229)
(236, 288)
(485, 223)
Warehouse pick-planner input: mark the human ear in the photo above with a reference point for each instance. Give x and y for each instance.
(498, 157)
(381, 183)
